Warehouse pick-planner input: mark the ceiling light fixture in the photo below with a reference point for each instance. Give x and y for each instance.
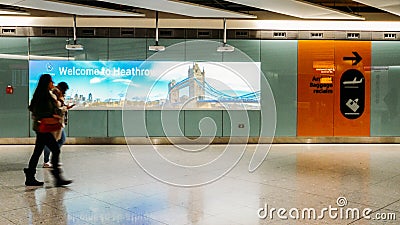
(225, 47)
(75, 46)
(156, 47)
(13, 11)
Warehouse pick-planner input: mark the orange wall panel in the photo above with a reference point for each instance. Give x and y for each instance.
(353, 79)
(333, 88)
(315, 99)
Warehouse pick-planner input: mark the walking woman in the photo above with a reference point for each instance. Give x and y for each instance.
(44, 105)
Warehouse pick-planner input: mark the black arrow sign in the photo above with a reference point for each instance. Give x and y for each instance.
(356, 59)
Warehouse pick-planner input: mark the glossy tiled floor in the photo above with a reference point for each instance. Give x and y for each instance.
(110, 188)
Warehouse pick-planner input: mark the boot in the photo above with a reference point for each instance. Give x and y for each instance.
(30, 178)
(59, 180)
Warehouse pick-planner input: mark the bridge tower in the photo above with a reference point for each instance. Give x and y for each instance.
(173, 93)
(196, 89)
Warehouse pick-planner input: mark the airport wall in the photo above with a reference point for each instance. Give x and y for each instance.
(302, 107)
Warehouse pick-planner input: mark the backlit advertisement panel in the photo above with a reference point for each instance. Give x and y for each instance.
(157, 85)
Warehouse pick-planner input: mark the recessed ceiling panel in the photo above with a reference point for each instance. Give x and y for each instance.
(9, 2)
(392, 6)
(300, 9)
(68, 8)
(181, 8)
(12, 12)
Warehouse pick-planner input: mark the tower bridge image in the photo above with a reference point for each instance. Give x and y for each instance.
(202, 94)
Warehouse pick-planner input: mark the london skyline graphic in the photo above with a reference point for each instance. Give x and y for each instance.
(154, 85)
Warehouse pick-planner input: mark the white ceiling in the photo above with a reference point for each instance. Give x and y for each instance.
(264, 9)
(67, 8)
(392, 6)
(180, 8)
(300, 9)
(174, 7)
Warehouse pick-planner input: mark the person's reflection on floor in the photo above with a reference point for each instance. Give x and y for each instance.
(46, 206)
(34, 213)
(195, 205)
(55, 197)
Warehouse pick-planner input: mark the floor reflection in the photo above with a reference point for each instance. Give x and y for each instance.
(110, 188)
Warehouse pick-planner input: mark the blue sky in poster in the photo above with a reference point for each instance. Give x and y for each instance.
(104, 80)
(142, 80)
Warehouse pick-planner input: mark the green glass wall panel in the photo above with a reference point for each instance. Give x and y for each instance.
(241, 123)
(385, 90)
(254, 119)
(94, 49)
(203, 123)
(129, 122)
(13, 46)
(14, 115)
(31, 132)
(114, 123)
(134, 123)
(51, 46)
(127, 48)
(85, 123)
(203, 50)
(279, 65)
(385, 53)
(245, 51)
(66, 129)
(385, 96)
(175, 50)
(14, 121)
(165, 123)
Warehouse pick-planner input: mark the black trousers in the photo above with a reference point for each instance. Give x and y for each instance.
(45, 139)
